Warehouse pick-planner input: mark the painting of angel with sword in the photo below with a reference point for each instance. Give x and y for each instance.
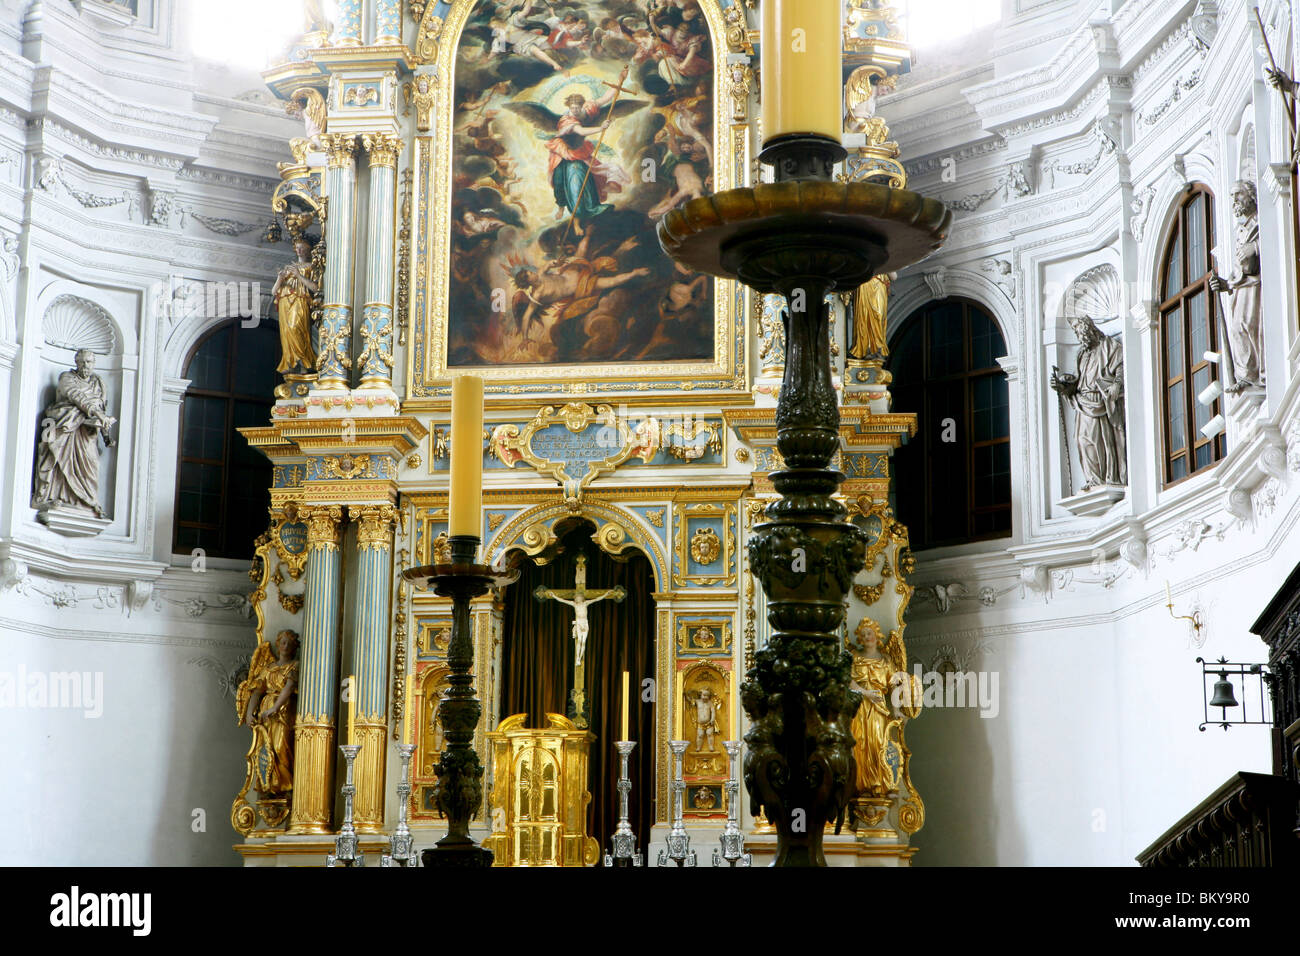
(580, 180)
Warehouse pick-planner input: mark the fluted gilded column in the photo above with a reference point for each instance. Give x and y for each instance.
(347, 23)
(371, 626)
(376, 358)
(388, 21)
(334, 345)
(313, 761)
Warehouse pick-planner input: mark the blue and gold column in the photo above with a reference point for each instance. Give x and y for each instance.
(388, 21)
(334, 343)
(313, 762)
(372, 627)
(376, 357)
(347, 23)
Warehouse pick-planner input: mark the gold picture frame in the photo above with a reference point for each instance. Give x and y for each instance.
(725, 378)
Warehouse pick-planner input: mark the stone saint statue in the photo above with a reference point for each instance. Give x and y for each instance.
(267, 701)
(1097, 392)
(706, 719)
(869, 307)
(579, 599)
(293, 291)
(1245, 331)
(67, 460)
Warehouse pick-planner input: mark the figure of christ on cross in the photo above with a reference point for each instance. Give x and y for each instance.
(579, 598)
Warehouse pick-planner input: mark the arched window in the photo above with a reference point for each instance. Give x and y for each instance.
(222, 485)
(953, 480)
(1188, 330)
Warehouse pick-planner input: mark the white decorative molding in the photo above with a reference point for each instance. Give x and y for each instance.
(1090, 504)
(1095, 293)
(218, 225)
(1190, 534)
(1001, 272)
(1143, 315)
(1140, 209)
(69, 521)
(138, 594)
(1134, 548)
(1035, 578)
(934, 281)
(11, 573)
(160, 207)
(1238, 503)
(71, 322)
(1205, 24)
(229, 676)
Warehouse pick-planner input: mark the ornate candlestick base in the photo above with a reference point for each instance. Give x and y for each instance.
(459, 792)
(732, 837)
(401, 845)
(803, 236)
(347, 851)
(623, 842)
(679, 850)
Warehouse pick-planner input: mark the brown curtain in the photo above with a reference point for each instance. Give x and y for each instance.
(537, 669)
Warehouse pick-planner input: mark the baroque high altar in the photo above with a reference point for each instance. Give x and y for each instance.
(476, 191)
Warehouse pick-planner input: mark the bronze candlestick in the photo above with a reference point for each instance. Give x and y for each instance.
(803, 236)
(459, 791)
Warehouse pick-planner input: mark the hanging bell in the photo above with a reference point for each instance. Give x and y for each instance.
(1223, 695)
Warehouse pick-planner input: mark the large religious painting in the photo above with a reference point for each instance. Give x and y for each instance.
(573, 128)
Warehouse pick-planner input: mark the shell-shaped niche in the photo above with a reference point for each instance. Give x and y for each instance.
(1095, 293)
(72, 322)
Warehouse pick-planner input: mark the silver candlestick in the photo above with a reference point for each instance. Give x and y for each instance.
(624, 841)
(347, 852)
(732, 839)
(679, 850)
(401, 845)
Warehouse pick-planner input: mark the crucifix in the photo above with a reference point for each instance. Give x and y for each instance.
(579, 598)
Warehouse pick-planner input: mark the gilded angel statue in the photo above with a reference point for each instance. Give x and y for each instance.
(267, 702)
(307, 102)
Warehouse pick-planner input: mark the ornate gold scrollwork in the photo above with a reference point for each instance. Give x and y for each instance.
(426, 41)
(421, 93)
(690, 432)
(708, 636)
(687, 549)
(348, 466)
(705, 546)
(737, 32)
(740, 80)
(289, 535)
(510, 444)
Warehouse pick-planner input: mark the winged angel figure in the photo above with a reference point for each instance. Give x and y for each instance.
(580, 180)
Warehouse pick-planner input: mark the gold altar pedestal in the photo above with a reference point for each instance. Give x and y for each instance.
(539, 794)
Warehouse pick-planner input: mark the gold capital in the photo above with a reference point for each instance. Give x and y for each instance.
(323, 527)
(374, 525)
(339, 148)
(383, 148)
